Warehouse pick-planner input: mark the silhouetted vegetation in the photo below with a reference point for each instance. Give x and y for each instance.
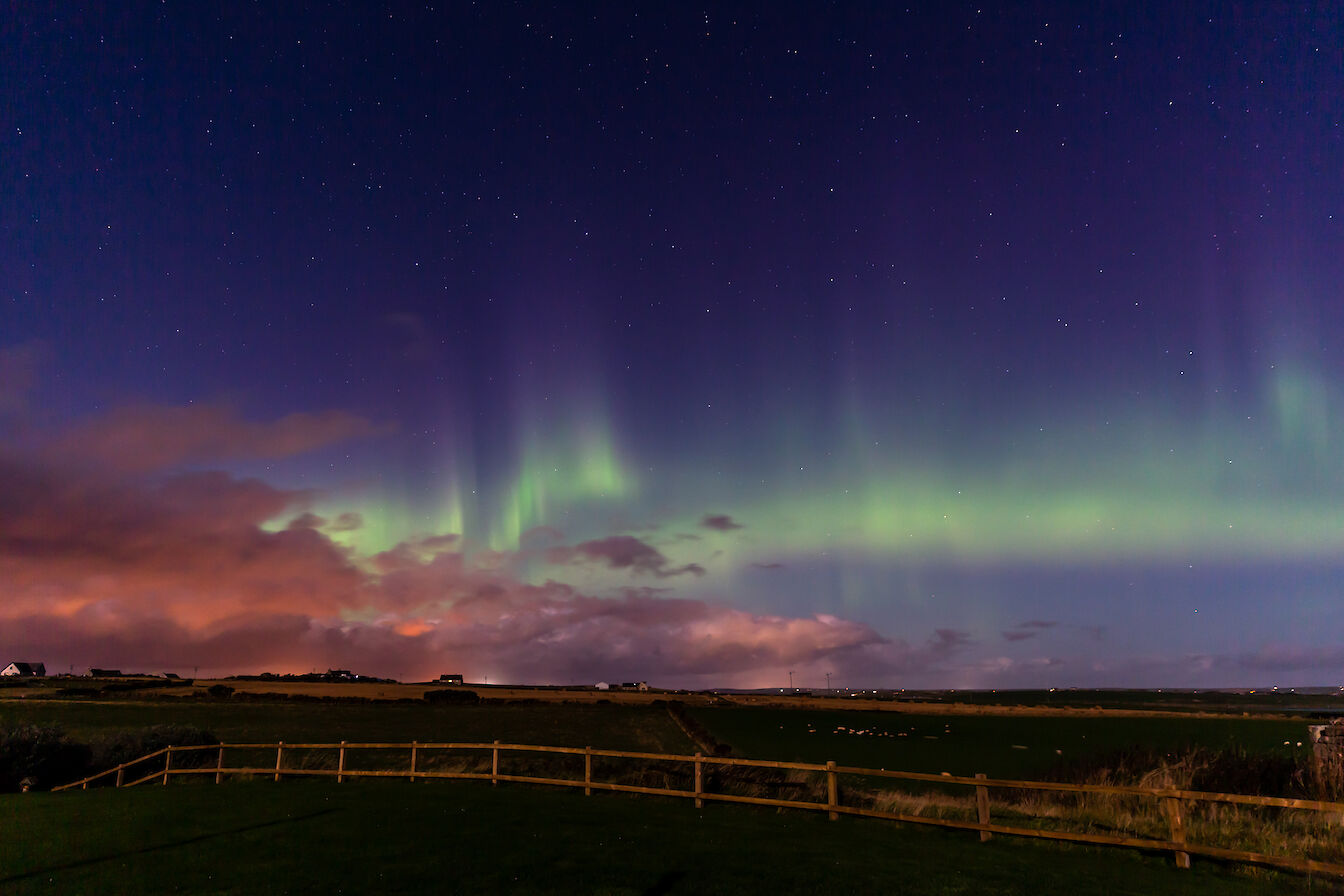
(1227, 770)
(41, 755)
(45, 756)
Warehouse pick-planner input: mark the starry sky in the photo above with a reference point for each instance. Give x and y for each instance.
(941, 346)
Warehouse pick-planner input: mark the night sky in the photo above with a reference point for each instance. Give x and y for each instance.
(941, 347)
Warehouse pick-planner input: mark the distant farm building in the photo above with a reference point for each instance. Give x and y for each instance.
(105, 673)
(451, 679)
(602, 686)
(26, 670)
(634, 685)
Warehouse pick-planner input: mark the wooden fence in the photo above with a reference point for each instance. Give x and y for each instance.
(1170, 801)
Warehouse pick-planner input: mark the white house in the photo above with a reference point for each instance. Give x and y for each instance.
(602, 686)
(25, 669)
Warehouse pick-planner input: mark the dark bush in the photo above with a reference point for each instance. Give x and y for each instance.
(219, 691)
(452, 697)
(42, 753)
(123, 746)
(1229, 770)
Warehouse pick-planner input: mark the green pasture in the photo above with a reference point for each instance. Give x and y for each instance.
(468, 837)
(1017, 746)
(611, 726)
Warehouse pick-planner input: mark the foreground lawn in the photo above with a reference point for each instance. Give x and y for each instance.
(467, 837)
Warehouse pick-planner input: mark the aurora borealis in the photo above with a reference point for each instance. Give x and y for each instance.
(933, 347)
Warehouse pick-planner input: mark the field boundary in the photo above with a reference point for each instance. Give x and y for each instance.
(1170, 802)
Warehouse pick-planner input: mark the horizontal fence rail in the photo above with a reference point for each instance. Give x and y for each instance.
(1169, 801)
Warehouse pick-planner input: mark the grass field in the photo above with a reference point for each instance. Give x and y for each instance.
(999, 746)
(615, 726)
(467, 837)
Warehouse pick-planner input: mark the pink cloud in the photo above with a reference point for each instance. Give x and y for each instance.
(100, 565)
(154, 437)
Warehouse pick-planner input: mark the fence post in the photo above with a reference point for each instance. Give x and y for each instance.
(415, 749)
(982, 806)
(279, 751)
(219, 765)
(587, 771)
(494, 765)
(699, 782)
(1172, 805)
(167, 764)
(121, 770)
(340, 764)
(832, 790)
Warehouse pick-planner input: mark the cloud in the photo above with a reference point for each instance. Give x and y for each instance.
(622, 552)
(104, 564)
(417, 341)
(145, 438)
(769, 566)
(721, 522)
(346, 522)
(18, 375)
(540, 537)
(1029, 629)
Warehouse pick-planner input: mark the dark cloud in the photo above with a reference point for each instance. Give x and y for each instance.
(416, 338)
(539, 537)
(1029, 629)
(622, 552)
(769, 565)
(346, 522)
(100, 566)
(721, 522)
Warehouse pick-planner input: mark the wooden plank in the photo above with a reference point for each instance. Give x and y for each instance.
(1246, 799)
(766, 801)
(149, 777)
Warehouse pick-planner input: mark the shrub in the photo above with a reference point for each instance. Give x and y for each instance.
(1232, 770)
(123, 746)
(219, 691)
(42, 753)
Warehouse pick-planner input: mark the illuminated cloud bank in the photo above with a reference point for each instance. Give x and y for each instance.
(108, 559)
